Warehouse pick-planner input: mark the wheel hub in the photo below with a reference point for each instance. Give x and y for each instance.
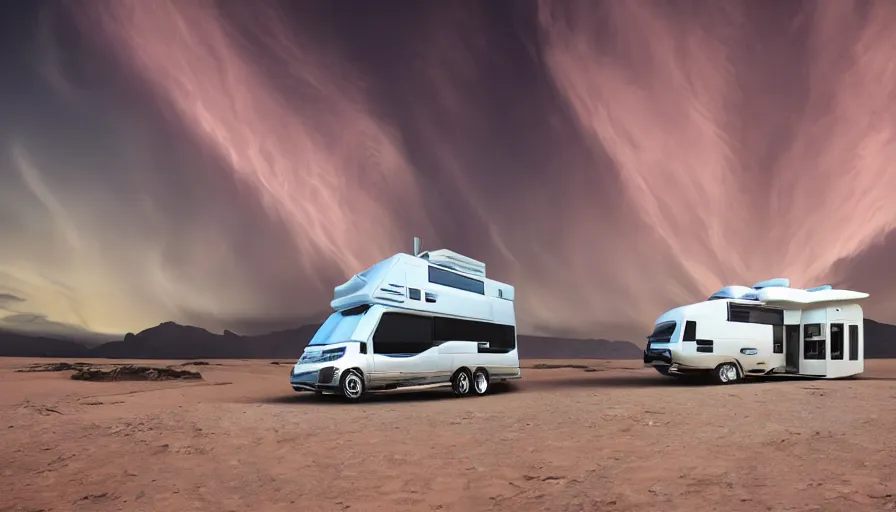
(481, 383)
(728, 373)
(463, 384)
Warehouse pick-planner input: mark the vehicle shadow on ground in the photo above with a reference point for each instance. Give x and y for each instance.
(397, 396)
(612, 381)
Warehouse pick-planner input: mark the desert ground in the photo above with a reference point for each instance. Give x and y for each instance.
(617, 437)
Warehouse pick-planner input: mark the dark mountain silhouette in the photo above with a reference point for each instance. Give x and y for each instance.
(173, 341)
(16, 344)
(880, 340)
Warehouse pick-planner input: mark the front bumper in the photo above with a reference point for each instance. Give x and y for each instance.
(324, 378)
(657, 357)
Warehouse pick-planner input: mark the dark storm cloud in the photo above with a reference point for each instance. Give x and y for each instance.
(227, 164)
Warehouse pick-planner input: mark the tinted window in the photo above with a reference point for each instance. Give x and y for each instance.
(446, 278)
(662, 332)
(738, 313)
(690, 331)
(813, 349)
(853, 342)
(401, 333)
(498, 336)
(837, 342)
(812, 330)
(755, 314)
(778, 339)
(413, 294)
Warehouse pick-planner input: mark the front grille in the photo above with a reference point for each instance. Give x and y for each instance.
(326, 375)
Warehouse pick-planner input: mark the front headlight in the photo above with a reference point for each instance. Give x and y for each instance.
(331, 355)
(323, 357)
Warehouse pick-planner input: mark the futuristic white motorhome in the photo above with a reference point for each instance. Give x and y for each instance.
(769, 329)
(427, 320)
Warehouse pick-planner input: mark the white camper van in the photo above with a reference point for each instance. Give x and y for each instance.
(769, 329)
(428, 320)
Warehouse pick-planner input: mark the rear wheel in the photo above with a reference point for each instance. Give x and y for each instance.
(351, 385)
(480, 382)
(726, 373)
(460, 382)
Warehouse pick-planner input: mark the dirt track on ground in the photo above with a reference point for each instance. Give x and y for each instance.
(618, 439)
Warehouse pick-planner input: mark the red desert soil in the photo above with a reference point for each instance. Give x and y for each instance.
(619, 439)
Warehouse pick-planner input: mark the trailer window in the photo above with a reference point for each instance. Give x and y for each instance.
(402, 334)
(837, 342)
(500, 337)
(662, 332)
(457, 281)
(690, 331)
(853, 342)
(813, 349)
(778, 339)
(743, 313)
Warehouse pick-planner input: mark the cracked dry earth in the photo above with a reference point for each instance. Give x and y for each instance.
(610, 437)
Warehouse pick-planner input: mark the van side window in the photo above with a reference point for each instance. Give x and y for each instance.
(853, 342)
(837, 342)
(413, 293)
(457, 281)
(500, 338)
(813, 349)
(402, 334)
(690, 331)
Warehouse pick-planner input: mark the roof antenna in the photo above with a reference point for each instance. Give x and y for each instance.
(417, 243)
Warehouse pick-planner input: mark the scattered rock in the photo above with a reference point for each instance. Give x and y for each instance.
(53, 367)
(132, 372)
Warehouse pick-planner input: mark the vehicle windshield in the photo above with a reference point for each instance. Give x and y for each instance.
(662, 332)
(339, 327)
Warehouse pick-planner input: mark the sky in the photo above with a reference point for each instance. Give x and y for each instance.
(226, 164)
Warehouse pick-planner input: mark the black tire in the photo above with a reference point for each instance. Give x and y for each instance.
(351, 385)
(726, 373)
(461, 382)
(480, 382)
(663, 370)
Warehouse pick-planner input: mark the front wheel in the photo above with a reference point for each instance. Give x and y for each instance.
(480, 382)
(726, 373)
(460, 382)
(351, 385)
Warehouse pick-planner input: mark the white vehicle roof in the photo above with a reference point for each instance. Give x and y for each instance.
(777, 292)
(435, 279)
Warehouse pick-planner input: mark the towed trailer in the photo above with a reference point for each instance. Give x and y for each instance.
(766, 330)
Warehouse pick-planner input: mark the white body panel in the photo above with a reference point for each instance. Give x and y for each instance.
(817, 333)
(402, 286)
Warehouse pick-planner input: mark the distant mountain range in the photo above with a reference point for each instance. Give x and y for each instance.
(173, 341)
